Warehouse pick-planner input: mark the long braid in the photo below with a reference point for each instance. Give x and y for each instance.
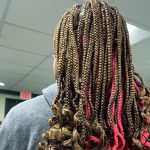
(126, 82)
(99, 54)
(107, 65)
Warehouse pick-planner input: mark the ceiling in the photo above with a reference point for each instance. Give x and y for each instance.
(26, 29)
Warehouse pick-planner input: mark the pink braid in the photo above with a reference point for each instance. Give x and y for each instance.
(118, 144)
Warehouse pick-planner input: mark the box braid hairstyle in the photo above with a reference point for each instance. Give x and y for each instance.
(102, 103)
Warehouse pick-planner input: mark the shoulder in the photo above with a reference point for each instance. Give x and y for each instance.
(30, 112)
(31, 106)
(27, 114)
(25, 122)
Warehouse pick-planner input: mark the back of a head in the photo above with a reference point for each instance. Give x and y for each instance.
(101, 103)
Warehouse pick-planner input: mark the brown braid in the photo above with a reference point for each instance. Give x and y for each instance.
(101, 102)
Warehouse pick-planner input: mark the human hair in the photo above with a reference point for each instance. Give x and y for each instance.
(102, 103)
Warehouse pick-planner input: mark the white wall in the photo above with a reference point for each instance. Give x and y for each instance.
(2, 103)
